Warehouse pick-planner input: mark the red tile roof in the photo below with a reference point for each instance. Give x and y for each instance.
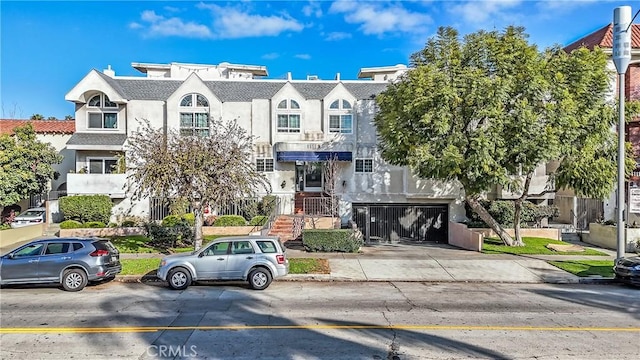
(603, 38)
(40, 126)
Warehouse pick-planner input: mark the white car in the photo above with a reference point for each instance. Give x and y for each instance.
(33, 216)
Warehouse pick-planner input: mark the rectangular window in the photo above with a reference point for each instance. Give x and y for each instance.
(364, 165)
(103, 120)
(264, 165)
(340, 123)
(194, 124)
(102, 166)
(289, 123)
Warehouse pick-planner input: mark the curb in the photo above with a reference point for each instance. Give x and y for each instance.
(327, 278)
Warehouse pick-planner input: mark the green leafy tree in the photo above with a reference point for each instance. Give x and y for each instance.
(485, 109)
(37, 117)
(215, 169)
(26, 165)
(68, 117)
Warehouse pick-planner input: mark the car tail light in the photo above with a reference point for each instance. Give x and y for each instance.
(35, 220)
(280, 259)
(99, 253)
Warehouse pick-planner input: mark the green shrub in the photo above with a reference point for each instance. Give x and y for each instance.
(503, 212)
(70, 224)
(5, 226)
(258, 220)
(328, 240)
(171, 220)
(169, 236)
(128, 223)
(86, 207)
(112, 225)
(230, 220)
(174, 220)
(190, 218)
(94, 225)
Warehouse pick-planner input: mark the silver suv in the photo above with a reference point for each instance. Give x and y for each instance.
(256, 259)
(71, 262)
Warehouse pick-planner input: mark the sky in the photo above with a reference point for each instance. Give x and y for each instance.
(47, 47)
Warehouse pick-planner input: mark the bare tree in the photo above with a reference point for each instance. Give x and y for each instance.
(331, 178)
(213, 169)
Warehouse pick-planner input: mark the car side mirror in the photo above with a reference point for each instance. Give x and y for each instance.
(10, 256)
(201, 254)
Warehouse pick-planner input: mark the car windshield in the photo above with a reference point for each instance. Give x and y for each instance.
(32, 213)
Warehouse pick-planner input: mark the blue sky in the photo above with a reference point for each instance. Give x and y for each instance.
(47, 47)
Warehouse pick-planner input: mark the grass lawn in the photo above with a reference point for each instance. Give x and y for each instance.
(533, 246)
(308, 266)
(603, 268)
(296, 266)
(139, 266)
(135, 244)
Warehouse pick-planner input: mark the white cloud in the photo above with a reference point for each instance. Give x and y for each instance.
(312, 8)
(231, 23)
(271, 56)
(481, 11)
(302, 56)
(171, 9)
(378, 18)
(157, 25)
(337, 35)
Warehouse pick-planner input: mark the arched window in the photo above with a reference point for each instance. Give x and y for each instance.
(340, 117)
(194, 115)
(102, 112)
(288, 115)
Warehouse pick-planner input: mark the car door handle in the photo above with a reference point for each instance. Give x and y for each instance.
(249, 257)
(220, 259)
(34, 261)
(66, 257)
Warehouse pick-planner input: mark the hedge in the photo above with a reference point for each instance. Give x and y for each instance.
(331, 240)
(230, 220)
(175, 220)
(86, 207)
(94, 225)
(258, 220)
(71, 224)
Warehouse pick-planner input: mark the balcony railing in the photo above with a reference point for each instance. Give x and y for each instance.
(93, 184)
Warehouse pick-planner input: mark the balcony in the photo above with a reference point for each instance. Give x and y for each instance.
(93, 184)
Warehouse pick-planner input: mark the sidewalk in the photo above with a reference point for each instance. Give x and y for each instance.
(428, 262)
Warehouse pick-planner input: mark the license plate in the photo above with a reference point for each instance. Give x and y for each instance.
(114, 259)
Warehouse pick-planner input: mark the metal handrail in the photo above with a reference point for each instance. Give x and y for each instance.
(266, 227)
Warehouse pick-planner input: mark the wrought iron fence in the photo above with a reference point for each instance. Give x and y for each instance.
(159, 208)
(323, 206)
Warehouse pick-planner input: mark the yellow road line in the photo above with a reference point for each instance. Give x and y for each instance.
(126, 329)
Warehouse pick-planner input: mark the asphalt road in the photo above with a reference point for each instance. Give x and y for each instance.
(322, 320)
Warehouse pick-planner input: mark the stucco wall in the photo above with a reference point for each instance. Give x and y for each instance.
(462, 237)
(549, 233)
(606, 236)
(12, 236)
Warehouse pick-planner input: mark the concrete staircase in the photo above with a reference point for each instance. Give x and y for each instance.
(284, 227)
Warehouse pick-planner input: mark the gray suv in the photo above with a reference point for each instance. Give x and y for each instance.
(256, 259)
(71, 262)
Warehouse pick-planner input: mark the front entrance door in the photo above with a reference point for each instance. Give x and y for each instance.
(313, 176)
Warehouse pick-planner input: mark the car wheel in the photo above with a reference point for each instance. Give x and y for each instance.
(179, 278)
(259, 279)
(74, 280)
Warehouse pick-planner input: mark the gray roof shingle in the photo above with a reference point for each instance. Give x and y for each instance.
(239, 91)
(80, 138)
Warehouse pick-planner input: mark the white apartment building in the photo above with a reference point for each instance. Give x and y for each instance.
(298, 125)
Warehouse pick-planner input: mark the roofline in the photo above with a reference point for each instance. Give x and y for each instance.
(255, 69)
(254, 80)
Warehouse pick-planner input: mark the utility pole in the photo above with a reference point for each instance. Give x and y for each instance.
(621, 58)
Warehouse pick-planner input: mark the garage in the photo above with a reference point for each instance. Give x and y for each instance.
(402, 222)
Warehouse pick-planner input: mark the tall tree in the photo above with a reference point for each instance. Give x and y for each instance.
(37, 117)
(26, 165)
(214, 169)
(489, 109)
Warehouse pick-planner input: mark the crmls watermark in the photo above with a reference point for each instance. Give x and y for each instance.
(172, 351)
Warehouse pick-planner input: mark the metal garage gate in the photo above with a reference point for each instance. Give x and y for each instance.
(402, 222)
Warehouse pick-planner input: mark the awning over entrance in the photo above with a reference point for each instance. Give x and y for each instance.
(285, 156)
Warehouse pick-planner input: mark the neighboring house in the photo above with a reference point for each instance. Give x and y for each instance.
(56, 133)
(298, 125)
(589, 210)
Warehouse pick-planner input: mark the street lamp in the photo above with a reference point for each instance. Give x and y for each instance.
(621, 58)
